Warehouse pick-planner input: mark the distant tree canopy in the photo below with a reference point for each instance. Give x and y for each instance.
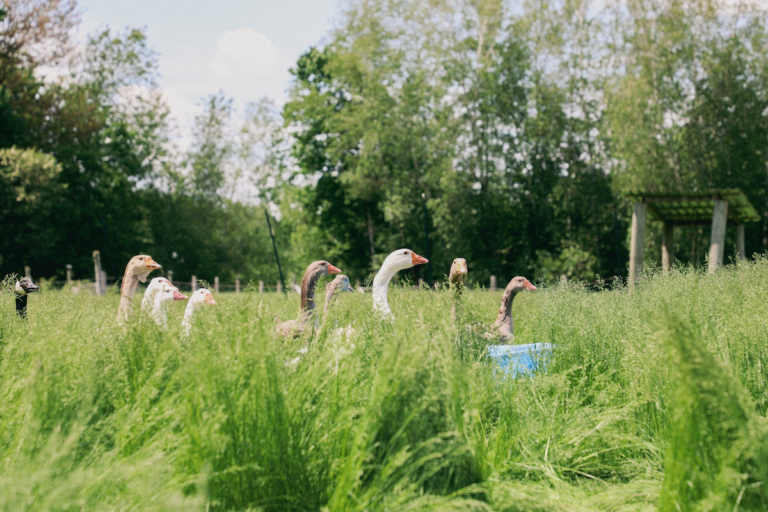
(514, 126)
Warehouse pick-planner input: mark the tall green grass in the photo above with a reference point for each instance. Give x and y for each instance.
(654, 399)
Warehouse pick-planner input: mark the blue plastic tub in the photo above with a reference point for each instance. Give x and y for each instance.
(520, 359)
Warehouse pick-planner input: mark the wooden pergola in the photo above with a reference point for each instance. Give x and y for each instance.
(718, 207)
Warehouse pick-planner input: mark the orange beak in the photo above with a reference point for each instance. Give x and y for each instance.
(177, 295)
(209, 299)
(152, 264)
(418, 260)
(461, 267)
(529, 286)
(333, 270)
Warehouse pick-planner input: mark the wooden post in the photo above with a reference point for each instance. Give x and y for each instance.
(740, 242)
(97, 273)
(216, 284)
(279, 287)
(237, 283)
(493, 283)
(357, 285)
(170, 276)
(667, 246)
(421, 281)
(261, 286)
(103, 276)
(717, 243)
(69, 274)
(637, 243)
(194, 284)
(27, 272)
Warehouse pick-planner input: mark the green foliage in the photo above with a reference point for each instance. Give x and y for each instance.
(635, 411)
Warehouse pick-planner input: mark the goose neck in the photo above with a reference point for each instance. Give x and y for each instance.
(21, 305)
(380, 287)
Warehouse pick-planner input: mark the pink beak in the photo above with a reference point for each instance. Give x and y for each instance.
(177, 295)
(418, 260)
(333, 270)
(529, 286)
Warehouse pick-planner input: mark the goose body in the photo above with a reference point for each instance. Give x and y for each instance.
(400, 259)
(23, 288)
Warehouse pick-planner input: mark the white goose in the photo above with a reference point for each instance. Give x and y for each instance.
(148, 302)
(399, 260)
(163, 297)
(200, 298)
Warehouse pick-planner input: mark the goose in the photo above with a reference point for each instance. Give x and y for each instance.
(198, 299)
(137, 270)
(399, 260)
(163, 297)
(503, 328)
(23, 288)
(315, 271)
(456, 278)
(155, 285)
(339, 284)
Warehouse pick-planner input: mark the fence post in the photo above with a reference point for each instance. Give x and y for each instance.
(69, 274)
(261, 286)
(216, 284)
(104, 288)
(170, 276)
(279, 287)
(418, 286)
(237, 283)
(194, 284)
(97, 273)
(27, 272)
(493, 283)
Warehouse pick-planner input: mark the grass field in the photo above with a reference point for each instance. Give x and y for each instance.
(654, 400)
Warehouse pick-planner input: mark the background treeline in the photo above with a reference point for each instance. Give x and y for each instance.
(514, 125)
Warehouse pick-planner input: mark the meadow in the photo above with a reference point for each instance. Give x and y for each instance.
(654, 399)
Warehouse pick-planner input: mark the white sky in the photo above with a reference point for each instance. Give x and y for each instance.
(241, 47)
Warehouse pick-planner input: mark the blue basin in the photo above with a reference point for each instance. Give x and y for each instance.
(516, 359)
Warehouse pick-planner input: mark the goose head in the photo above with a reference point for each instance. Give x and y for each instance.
(140, 266)
(320, 269)
(168, 293)
(402, 259)
(339, 284)
(518, 284)
(458, 271)
(202, 296)
(24, 286)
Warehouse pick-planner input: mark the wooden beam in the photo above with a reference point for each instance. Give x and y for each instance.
(637, 243)
(740, 252)
(717, 242)
(667, 246)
